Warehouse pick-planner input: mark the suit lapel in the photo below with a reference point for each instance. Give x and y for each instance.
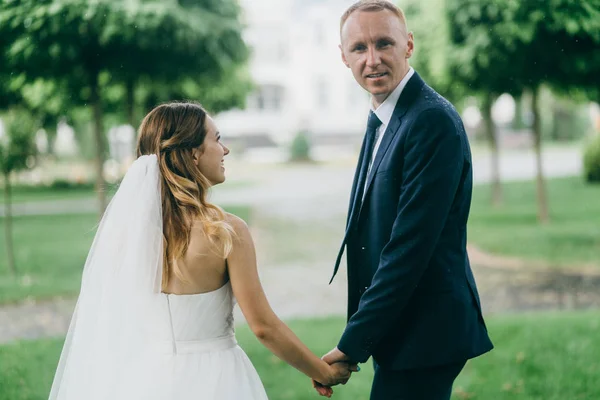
(409, 93)
(407, 96)
(351, 208)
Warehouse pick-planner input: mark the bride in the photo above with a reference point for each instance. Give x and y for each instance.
(154, 315)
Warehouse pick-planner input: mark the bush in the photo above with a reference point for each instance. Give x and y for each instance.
(63, 184)
(300, 148)
(591, 160)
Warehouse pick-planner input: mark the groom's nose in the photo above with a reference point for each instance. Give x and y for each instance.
(373, 58)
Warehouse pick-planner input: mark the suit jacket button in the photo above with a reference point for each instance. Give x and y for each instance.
(362, 248)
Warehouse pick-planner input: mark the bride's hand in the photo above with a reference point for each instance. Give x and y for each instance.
(321, 389)
(338, 373)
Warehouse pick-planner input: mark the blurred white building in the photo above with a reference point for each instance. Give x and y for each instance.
(121, 143)
(301, 81)
(65, 144)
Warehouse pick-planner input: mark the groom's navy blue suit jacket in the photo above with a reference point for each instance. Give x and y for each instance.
(412, 298)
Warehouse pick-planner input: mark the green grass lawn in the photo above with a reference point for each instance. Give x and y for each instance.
(50, 253)
(294, 241)
(549, 356)
(572, 236)
(65, 191)
(23, 194)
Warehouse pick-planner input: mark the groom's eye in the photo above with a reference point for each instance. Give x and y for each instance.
(383, 44)
(359, 47)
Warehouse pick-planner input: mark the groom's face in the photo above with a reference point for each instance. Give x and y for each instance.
(376, 46)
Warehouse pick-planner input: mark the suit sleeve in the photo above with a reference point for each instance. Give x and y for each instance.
(433, 163)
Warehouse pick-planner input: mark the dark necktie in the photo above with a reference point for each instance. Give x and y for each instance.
(370, 139)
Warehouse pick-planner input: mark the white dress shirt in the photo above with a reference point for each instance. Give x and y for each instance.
(384, 113)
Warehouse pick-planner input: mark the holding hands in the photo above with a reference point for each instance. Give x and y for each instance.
(339, 372)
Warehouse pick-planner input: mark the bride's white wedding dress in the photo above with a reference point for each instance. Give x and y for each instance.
(199, 357)
(204, 358)
(129, 341)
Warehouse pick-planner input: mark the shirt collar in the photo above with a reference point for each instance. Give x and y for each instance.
(386, 109)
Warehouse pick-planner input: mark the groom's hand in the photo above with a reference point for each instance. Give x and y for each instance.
(334, 356)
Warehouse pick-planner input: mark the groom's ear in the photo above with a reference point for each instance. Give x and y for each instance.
(343, 56)
(410, 45)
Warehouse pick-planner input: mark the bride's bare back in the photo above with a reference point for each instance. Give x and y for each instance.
(204, 270)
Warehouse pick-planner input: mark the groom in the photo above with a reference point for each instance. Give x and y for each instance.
(412, 300)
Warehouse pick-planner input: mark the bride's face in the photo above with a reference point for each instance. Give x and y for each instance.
(210, 156)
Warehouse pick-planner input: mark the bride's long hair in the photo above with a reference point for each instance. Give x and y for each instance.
(172, 131)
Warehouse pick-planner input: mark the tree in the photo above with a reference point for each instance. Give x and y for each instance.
(216, 92)
(16, 146)
(88, 46)
(477, 60)
(440, 61)
(572, 29)
(46, 100)
(207, 69)
(8, 94)
(518, 46)
(64, 40)
(433, 49)
(579, 56)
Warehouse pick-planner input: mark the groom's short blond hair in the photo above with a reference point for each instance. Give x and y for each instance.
(372, 6)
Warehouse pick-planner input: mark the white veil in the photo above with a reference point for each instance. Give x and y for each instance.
(120, 313)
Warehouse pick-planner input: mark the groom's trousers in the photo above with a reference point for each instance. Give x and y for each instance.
(415, 384)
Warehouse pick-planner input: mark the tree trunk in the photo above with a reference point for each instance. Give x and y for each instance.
(130, 99)
(8, 226)
(51, 135)
(99, 139)
(490, 131)
(152, 101)
(518, 123)
(51, 126)
(542, 198)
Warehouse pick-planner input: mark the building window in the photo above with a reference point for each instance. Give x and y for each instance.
(322, 91)
(267, 98)
(269, 44)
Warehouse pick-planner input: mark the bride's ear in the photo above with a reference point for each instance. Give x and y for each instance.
(196, 153)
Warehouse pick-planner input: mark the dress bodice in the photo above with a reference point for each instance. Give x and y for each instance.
(202, 316)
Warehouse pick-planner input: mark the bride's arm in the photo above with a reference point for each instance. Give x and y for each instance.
(263, 322)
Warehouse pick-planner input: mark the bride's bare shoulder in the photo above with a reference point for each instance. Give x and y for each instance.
(239, 225)
(242, 238)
